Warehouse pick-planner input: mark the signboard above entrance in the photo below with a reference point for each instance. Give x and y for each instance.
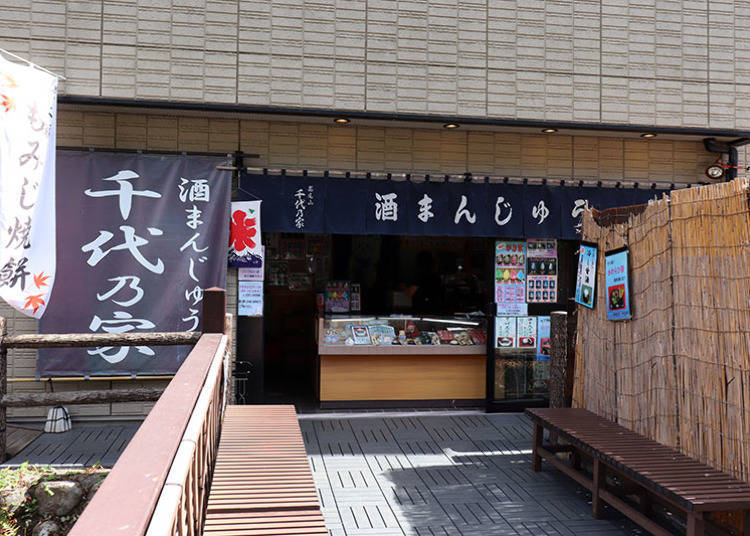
(310, 204)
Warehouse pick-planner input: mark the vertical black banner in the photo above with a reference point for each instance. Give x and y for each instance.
(139, 238)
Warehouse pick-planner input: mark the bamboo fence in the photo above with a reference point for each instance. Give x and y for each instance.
(679, 370)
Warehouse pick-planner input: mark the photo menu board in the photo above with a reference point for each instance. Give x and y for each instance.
(541, 279)
(510, 277)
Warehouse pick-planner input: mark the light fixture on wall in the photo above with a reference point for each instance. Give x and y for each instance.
(341, 120)
(549, 130)
(451, 125)
(648, 135)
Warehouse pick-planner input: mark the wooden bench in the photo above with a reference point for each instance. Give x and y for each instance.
(654, 472)
(262, 484)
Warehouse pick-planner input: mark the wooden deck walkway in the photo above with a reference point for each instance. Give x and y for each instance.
(18, 438)
(262, 483)
(83, 446)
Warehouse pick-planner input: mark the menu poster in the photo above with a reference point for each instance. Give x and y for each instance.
(617, 284)
(542, 248)
(526, 332)
(505, 332)
(542, 288)
(544, 346)
(361, 335)
(541, 277)
(512, 309)
(337, 297)
(586, 279)
(250, 298)
(510, 272)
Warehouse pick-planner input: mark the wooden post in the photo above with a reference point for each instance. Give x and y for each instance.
(536, 460)
(3, 388)
(570, 368)
(214, 308)
(558, 358)
(695, 524)
(600, 478)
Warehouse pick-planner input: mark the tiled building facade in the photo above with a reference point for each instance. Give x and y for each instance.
(266, 77)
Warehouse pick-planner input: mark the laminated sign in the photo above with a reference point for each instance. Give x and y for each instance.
(28, 107)
(618, 285)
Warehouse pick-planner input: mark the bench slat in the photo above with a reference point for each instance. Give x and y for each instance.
(262, 483)
(679, 478)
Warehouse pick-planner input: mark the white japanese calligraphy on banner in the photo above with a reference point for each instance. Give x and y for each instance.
(28, 104)
(153, 238)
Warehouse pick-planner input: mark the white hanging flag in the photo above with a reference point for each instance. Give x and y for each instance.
(28, 110)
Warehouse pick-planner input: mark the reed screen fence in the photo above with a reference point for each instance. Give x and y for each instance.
(679, 370)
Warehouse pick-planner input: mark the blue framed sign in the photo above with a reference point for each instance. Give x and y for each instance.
(586, 279)
(617, 285)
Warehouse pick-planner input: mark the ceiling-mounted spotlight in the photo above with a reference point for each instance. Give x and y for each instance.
(549, 130)
(648, 135)
(715, 171)
(451, 125)
(341, 120)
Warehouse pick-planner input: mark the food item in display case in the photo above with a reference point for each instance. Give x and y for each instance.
(478, 336)
(411, 330)
(463, 338)
(425, 338)
(446, 337)
(361, 335)
(332, 336)
(402, 337)
(382, 335)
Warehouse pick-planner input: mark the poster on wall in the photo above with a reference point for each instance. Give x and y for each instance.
(526, 332)
(505, 332)
(617, 284)
(245, 247)
(250, 298)
(510, 273)
(154, 236)
(541, 277)
(586, 279)
(337, 297)
(543, 339)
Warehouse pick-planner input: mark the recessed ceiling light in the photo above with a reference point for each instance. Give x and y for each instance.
(549, 130)
(648, 135)
(451, 125)
(341, 120)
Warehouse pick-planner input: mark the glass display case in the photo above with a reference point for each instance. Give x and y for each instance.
(402, 332)
(387, 358)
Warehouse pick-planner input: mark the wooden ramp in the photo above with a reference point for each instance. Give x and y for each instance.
(262, 484)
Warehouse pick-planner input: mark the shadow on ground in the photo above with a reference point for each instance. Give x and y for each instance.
(459, 473)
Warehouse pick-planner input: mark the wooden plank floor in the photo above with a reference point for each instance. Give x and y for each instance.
(18, 438)
(83, 446)
(262, 483)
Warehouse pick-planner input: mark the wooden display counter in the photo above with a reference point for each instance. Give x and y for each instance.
(430, 372)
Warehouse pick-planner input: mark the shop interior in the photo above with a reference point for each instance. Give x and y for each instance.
(417, 277)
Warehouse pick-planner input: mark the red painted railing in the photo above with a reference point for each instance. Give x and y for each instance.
(160, 483)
